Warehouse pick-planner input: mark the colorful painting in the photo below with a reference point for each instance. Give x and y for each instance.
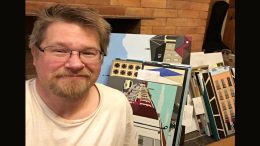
(162, 48)
(157, 101)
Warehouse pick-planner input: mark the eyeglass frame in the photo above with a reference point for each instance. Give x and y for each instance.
(102, 54)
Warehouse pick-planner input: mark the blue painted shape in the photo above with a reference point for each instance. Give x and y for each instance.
(166, 72)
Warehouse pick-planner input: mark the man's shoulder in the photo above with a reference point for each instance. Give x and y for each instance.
(29, 82)
(108, 89)
(110, 92)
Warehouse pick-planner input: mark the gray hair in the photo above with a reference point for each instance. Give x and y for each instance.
(85, 17)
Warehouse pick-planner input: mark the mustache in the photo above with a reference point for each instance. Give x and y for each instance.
(60, 74)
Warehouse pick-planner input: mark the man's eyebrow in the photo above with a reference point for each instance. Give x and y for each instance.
(63, 44)
(91, 48)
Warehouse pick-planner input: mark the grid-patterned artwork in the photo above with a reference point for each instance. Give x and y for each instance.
(220, 100)
(225, 91)
(125, 68)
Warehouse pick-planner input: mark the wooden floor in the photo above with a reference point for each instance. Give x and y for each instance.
(229, 141)
(197, 139)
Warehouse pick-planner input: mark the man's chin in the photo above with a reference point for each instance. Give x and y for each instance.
(73, 82)
(70, 90)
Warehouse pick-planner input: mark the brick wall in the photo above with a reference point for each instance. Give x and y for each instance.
(172, 17)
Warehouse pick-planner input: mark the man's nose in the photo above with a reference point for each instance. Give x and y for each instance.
(74, 62)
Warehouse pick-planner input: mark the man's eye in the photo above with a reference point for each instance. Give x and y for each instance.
(89, 53)
(60, 51)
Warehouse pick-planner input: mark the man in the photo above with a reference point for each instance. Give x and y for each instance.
(64, 104)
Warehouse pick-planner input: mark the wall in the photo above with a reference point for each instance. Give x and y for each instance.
(172, 17)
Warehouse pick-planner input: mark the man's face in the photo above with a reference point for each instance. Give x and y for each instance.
(73, 77)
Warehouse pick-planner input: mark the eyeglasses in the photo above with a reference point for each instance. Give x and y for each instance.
(63, 54)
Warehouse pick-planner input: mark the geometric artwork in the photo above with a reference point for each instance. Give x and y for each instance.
(170, 49)
(196, 92)
(225, 92)
(157, 101)
(125, 68)
(143, 47)
(173, 74)
(152, 105)
(220, 100)
(216, 123)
